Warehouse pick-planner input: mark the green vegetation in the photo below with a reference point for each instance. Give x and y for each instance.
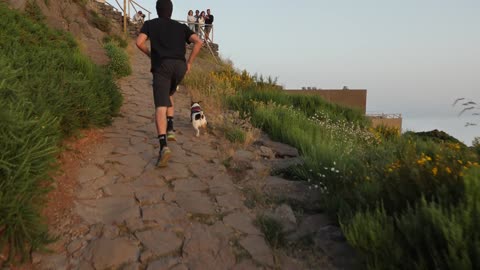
(99, 21)
(272, 230)
(33, 11)
(404, 201)
(48, 90)
(120, 41)
(431, 234)
(235, 134)
(119, 63)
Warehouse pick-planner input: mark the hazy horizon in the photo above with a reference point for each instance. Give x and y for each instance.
(413, 57)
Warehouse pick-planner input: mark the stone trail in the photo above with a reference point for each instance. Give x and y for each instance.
(133, 215)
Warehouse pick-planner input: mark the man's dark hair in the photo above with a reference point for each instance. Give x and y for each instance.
(164, 8)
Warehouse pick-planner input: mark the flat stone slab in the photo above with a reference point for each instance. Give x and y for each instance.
(111, 254)
(107, 210)
(258, 249)
(164, 264)
(150, 195)
(164, 214)
(188, 185)
(89, 173)
(129, 160)
(221, 184)
(241, 222)
(158, 243)
(201, 149)
(204, 249)
(119, 189)
(195, 203)
(174, 171)
(128, 171)
(230, 202)
(203, 170)
(291, 190)
(151, 178)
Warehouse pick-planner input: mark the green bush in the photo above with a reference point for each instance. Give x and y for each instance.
(272, 229)
(99, 21)
(431, 235)
(121, 42)
(235, 134)
(48, 90)
(119, 63)
(33, 11)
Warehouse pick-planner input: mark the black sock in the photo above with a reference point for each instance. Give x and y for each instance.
(170, 123)
(163, 141)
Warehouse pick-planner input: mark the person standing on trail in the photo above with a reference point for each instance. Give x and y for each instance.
(201, 24)
(208, 24)
(197, 15)
(167, 42)
(191, 20)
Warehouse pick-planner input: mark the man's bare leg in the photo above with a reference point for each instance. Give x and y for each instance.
(161, 123)
(170, 110)
(170, 129)
(161, 120)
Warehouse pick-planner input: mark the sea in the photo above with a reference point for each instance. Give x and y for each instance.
(458, 127)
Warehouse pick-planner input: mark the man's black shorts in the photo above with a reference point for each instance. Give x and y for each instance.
(166, 78)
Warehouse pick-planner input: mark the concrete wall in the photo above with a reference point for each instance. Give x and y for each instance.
(354, 98)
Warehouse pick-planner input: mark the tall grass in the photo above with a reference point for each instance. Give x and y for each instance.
(119, 63)
(48, 90)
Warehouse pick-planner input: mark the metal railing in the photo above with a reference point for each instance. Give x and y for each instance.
(385, 115)
(202, 30)
(127, 6)
(203, 34)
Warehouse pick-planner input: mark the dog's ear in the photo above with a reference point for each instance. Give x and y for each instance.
(193, 102)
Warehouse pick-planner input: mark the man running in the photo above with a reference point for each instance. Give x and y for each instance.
(167, 42)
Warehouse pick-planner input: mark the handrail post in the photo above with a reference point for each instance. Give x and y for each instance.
(125, 17)
(129, 3)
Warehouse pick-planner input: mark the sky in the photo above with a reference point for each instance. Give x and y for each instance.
(415, 57)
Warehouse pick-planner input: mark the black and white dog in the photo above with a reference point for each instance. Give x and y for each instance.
(197, 117)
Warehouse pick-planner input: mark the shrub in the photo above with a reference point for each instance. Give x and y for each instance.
(121, 42)
(235, 134)
(436, 135)
(99, 21)
(476, 145)
(33, 11)
(272, 230)
(430, 235)
(119, 63)
(48, 90)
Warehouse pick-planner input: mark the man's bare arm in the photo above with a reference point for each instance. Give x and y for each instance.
(141, 39)
(196, 49)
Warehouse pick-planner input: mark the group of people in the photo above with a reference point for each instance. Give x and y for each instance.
(200, 23)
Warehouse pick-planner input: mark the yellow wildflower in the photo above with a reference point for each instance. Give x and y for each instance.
(435, 171)
(448, 170)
